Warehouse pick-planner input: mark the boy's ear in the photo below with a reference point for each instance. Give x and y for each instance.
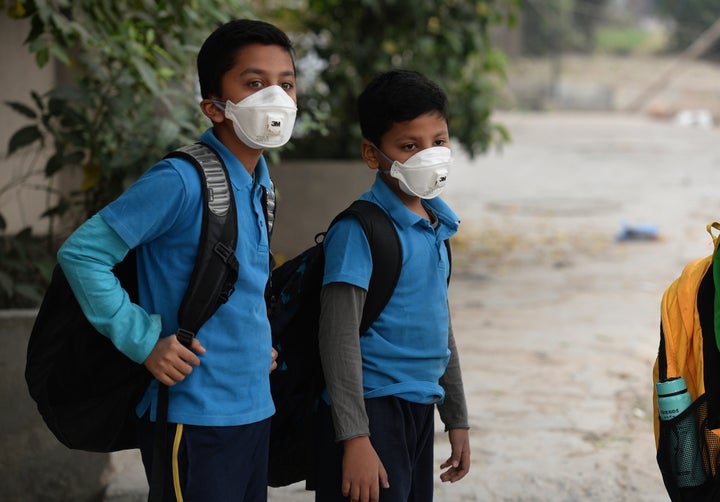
(211, 111)
(369, 154)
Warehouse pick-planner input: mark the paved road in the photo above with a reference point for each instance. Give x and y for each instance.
(556, 321)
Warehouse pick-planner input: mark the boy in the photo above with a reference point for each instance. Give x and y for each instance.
(218, 415)
(383, 385)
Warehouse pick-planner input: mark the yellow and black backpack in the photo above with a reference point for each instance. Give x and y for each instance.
(690, 348)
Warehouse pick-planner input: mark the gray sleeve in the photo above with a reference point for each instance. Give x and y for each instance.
(453, 410)
(341, 307)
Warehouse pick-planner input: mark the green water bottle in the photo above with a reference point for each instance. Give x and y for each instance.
(673, 399)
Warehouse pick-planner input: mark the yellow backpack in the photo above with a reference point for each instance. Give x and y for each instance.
(688, 348)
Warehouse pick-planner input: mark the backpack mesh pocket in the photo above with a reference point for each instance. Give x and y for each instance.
(689, 454)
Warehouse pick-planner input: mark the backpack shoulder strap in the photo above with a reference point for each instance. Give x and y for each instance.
(386, 256)
(269, 204)
(449, 254)
(212, 280)
(216, 268)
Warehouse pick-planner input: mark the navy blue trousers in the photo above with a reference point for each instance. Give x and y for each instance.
(402, 435)
(211, 464)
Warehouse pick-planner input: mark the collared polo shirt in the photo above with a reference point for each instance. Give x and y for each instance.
(405, 351)
(161, 215)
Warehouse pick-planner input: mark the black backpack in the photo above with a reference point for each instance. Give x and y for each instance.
(85, 389)
(294, 307)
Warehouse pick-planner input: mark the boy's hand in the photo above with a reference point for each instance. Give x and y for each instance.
(170, 362)
(363, 472)
(273, 363)
(459, 462)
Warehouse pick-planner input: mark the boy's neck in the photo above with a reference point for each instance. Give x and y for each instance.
(247, 156)
(415, 205)
(411, 202)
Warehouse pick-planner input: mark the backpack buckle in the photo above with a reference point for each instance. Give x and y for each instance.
(227, 255)
(224, 252)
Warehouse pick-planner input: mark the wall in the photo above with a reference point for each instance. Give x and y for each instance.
(34, 466)
(310, 194)
(20, 206)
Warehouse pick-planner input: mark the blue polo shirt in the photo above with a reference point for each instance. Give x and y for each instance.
(405, 351)
(161, 215)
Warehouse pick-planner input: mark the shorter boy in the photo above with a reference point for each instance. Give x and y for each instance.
(383, 386)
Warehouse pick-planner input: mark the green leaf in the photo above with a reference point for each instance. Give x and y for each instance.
(36, 29)
(147, 74)
(60, 209)
(45, 267)
(23, 235)
(22, 109)
(59, 53)
(23, 137)
(54, 164)
(74, 158)
(42, 56)
(66, 93)
(38, 100)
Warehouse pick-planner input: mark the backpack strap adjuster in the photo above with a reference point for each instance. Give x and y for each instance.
(224, 295)
(226, 253)
(185, 337)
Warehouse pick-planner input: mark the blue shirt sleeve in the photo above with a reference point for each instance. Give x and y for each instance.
(87, 258)
(347, 254)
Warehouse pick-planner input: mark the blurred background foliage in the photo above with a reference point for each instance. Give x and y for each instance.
(342, 45)
(127, 89)
(127, 93)
(123, 100)
(689, 19)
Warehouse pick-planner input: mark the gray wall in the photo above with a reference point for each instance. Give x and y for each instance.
(310, 194)
(34, 466)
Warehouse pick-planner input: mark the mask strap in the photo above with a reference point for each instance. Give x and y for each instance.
(219, 104)
(386, 157)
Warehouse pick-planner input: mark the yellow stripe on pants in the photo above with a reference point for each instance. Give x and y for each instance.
(175, 466)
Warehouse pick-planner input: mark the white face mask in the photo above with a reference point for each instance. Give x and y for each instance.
(424, 174)
(264, 119)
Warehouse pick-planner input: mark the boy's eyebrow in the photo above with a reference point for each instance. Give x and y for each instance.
(415, 138)
(259, 71)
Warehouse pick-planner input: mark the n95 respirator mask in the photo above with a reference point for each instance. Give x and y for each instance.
(424, 174)
(264, 119)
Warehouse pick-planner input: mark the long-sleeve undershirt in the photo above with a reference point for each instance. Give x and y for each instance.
(341, 307)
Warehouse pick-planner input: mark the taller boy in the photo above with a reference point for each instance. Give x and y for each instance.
(383, 386)
(219, 410)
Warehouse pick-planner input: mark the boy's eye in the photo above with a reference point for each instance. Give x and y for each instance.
(408, 147)
(287, 86)
(255, 84)
(440, 142)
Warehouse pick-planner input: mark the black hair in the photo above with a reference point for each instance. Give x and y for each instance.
(217, 54)
(397, 96)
